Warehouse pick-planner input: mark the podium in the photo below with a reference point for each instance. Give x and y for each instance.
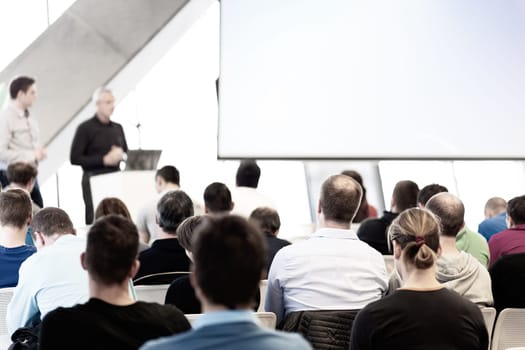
(135, 188)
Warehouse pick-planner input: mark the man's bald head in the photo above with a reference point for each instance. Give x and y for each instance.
(495, 206)
(450, 210)
(340, 198)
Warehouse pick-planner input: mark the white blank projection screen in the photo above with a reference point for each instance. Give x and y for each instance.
(369, 79)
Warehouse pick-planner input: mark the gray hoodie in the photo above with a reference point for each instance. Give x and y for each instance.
(466, 276)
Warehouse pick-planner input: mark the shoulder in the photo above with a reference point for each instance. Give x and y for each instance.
(169, 313)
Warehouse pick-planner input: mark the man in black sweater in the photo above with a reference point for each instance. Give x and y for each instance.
(98, 146)
(111, 319)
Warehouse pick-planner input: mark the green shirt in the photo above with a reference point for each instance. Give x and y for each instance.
(473, 243)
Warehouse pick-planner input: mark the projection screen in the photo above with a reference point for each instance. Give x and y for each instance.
(370, 79)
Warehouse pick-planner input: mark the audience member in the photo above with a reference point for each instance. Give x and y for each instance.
(495, 217)
(373, 231)
(458, 270)
(422, 314)
(428, 192)
(111, 319)
(511, 240)
(365, 210)
(508, 281)
(15, 216)
(23, 176)
(114, 206)
(166, 254)
(19, 133)
(167, 179)
(333, 269)
(229, 258)
(466, 240)
(53, 276)
(268, 221)
(217, 199)
(181, 293)
(245, 194)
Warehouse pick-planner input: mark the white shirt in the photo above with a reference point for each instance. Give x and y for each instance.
(50, 278)
(332, 270)
(247, 199)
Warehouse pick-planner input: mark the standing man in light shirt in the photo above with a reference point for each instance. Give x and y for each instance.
(19, 133)
(98, 146)
(333, 269)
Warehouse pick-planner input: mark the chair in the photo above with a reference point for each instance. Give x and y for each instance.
(509, 328)
(5, 297)
(267, 319)
(389, 263)
(489, 316)
(159, 278)
(152, 294)
(263, 287)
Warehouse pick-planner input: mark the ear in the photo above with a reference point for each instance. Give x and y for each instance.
(39, 240)
(206, 210)
(74, 232)
(232, 206)
(438, 254)
(397, 250)
(156, 218)
(319, 207)
(83, 261)
(134, 269)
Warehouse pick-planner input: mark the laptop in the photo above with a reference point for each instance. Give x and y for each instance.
(140, 159)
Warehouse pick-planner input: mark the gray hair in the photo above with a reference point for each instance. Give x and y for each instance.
(98, 92)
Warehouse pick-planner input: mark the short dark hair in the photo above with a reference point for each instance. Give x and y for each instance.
(172, 209)
(428, 191)
(112, 248)
(169, 174)
(15, 208)
(21, 173)
(516, 210)
(405, 195)
(266, 219)
(186, 230)
(450, 210)
(340, 198)
(217, 197)
(248, 174)
(50, 220)
(112, 206)
(20, 84)
(229, 259)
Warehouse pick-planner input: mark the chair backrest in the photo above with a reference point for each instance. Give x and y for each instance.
(152, 294)
(266, 319)
(5, 297)
(159, 278)
(489, 316)
(509, 330)
(263, 286)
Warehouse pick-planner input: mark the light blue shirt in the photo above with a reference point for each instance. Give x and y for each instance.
(50, 278)
(332, 270)
(232, 330)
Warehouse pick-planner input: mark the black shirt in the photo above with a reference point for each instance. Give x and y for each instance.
(93, 140)
(274, 245)
(165, 255)
(440, 319)
(99, 325)
(182, 295)
(374, 232)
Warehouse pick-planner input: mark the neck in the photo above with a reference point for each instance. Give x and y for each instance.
(170, 187)
(333, 224)
(166, 235)
(20, 105)
(102, 119)
(116, 294)
(207, 306)
(12, 237)
(448, 245)
(421, 280)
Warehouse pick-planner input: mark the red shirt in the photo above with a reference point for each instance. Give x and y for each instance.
(510, 241)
